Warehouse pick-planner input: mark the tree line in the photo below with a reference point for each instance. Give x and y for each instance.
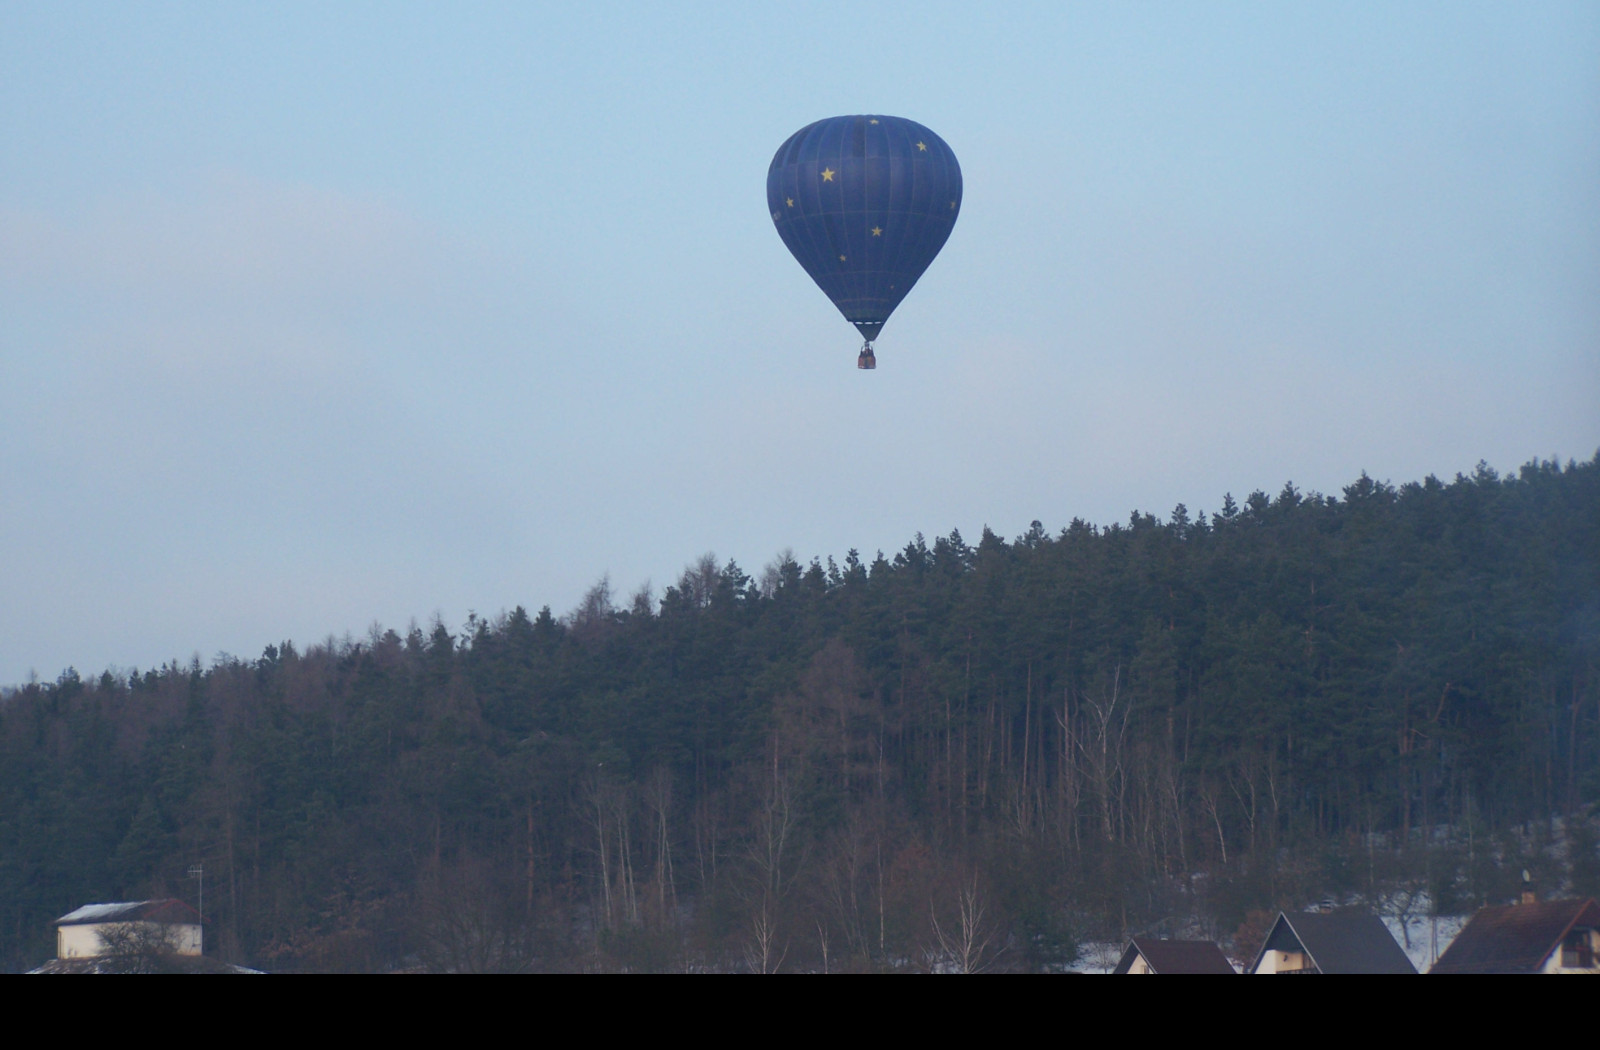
(962, 756)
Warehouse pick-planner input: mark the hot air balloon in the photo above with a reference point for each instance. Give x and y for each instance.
(864, 203)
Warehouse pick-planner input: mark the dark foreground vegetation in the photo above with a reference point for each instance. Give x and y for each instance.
(958, 756)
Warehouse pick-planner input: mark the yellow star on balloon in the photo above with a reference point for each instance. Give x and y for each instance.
(877, 231)
(873, 121)
(828, 174)
(923, 146)
(841, 258)
(790, 201)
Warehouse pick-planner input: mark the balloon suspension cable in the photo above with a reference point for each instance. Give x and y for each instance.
(867, 359)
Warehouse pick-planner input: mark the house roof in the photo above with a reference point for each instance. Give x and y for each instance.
(179, 964)
(170, 910)
(1175, 956)
(1337, 942)
(1514, 938)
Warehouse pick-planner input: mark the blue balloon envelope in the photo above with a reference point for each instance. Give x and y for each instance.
(864, 203)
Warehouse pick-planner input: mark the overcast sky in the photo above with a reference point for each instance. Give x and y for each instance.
(318, 315)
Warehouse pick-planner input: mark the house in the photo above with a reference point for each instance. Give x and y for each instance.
(82, 934)
(1533, 937)
(1147, 955)
(1330, 942)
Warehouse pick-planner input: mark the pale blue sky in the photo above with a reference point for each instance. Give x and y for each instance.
(312, 316)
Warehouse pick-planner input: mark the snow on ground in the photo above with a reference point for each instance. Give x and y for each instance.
(1429, 937)
(91, 912)
(1100, 956)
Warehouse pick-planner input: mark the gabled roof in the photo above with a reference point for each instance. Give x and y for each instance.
(1337, 942)
(1515, 938)
(177, 964)
(169, 910)
(1175, 956)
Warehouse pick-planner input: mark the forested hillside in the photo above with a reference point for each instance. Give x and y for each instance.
(959, 754)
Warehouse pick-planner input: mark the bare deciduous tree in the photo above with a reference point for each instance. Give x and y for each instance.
(1102, 750)
(594, 614)
(964, 945)
(471, 921)
(140, 947)
(762, 953)
(780, 569)
(699, 581)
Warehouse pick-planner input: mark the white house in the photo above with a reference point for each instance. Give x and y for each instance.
(79, 934)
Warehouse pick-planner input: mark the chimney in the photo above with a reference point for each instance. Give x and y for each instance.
(1529, 896)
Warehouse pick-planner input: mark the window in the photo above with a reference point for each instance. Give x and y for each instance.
(1577, 951)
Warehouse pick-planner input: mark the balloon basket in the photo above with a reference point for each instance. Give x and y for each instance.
(866, 359)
